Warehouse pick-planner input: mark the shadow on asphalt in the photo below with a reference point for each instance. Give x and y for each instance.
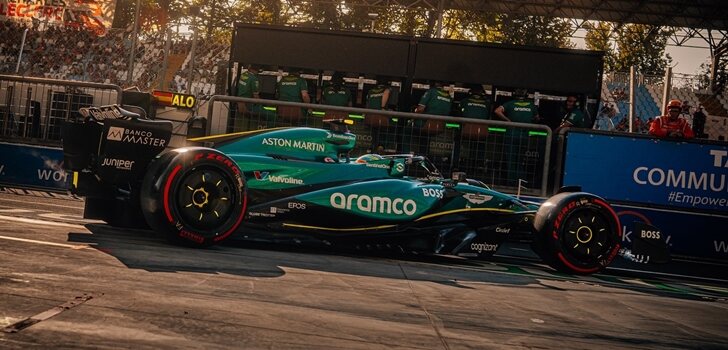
(141, 249)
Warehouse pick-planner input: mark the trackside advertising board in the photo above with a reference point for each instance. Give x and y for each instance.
(32, 166)
(680, 187)
(96, 15)
(671, 174)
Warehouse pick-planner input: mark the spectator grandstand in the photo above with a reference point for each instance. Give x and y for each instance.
(645, 105)
(79, 54)
(723, 98)
(648, 99)
(205, 67)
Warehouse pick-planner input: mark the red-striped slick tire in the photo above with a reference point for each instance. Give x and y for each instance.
(577, 233)
(195, 196)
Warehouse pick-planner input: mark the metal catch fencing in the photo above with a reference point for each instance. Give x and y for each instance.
(512, 157)
(147, 60)
(33, 109)
(58, 52)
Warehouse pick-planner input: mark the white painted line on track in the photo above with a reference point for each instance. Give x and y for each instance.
(15, 211)
(41, 222)
(63, 245)
(43, 204)
(67, 217)
(5, 321)
(23, 324)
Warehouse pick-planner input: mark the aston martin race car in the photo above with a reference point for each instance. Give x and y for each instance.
(300, 182)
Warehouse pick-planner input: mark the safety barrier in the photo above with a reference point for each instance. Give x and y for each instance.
(32, 109)
(32, 167)
(512, 157)
(678, 186)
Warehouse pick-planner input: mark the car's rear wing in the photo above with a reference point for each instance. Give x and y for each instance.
(112, 145)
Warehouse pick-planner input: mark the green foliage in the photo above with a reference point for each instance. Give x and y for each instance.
(153, 14)
(217, 15)
(644, 47)
(124, 14)
(599, 38)
(412, 22)
(467, 25)
(721, 75)
(532, 31)
(639, 45)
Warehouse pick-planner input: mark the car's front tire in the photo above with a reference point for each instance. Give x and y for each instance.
(577, 233)
(194, 196)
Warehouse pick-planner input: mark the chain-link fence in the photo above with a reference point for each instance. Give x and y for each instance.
(199, 73)
(33, 109)
(648, 100)
(161, 59)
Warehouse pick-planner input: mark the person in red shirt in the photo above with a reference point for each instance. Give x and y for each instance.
(671, 125)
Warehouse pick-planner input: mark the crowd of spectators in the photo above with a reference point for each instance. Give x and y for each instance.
(620, 94)
(63, 52)
(10, 38)
(180, 45)
(638, 126)
(74, 53)
(607, 119)
(205, 68)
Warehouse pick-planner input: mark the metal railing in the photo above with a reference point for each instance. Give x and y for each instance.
(32, 109)
(511, 157)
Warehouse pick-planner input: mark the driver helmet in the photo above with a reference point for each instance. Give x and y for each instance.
(674, 105)
(368, 158)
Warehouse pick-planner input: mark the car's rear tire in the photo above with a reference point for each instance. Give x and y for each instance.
(194, 196)
(577, 233)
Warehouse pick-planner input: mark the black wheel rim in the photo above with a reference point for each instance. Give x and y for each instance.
(206, 198)
(586, 236)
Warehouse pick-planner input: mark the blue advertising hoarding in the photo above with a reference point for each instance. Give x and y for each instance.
(680, 187)
(32, 167)
(686, 233)
(671, 174)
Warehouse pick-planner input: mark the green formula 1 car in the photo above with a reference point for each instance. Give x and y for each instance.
(300, 183)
